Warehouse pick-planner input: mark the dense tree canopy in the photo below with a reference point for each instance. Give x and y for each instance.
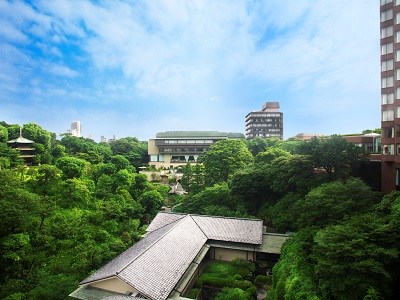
(223, 159)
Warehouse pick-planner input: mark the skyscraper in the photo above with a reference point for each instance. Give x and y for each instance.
(266, 123)
(390, 93)
(76, 129)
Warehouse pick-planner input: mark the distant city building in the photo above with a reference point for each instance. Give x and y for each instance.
(390, 94)
(176, 148)
(76, 129)
(266, 123)
(103, 139)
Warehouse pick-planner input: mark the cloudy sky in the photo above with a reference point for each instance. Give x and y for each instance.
(135, 68)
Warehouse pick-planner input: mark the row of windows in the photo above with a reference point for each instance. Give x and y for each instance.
(388, 115)
(175, 150)
(383, 2)
(387, 65)
(267, 120)
(386, 32)
(389, 149)
(268, 130)
(389, 97)
(387, 48)
(266, 115)
(264, 125)
(188, 141)
(387, 15)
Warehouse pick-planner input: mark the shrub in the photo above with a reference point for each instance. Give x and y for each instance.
(262, 279)
(199, 283)
(244, 272)
(238, 277)
(193, 293)
(252, 291)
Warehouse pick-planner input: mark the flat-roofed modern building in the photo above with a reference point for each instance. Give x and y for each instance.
(390, 93)
(176, 148)
(266, 123)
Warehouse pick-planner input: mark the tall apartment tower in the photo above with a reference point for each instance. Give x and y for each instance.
(390, 93)
(76, 129)
(266, 123)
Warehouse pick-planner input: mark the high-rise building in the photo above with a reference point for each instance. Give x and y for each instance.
(76, 129)
(390, 93)
(266, 123)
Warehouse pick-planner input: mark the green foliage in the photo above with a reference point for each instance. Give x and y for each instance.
(71, 167)
(332, 202)
(223, 159)
(232, 294)
(354, 256)
(151, 202)
(261, 280)
(335, 155)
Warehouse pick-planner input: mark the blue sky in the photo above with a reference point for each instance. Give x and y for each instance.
(135, 68)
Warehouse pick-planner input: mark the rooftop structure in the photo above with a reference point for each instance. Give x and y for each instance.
(266, 123)
(176, 148)
(166, 262)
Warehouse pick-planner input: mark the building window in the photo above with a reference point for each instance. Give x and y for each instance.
(388, 132)
(387, 82)
(387, 65)
(153, 157)
(388, 149)
(387, 115)
(388, 98)
(387, 15)
(161, 158)
(388, 48)
(397, 18)
(389, 1)
(386, 31)
(383, 2)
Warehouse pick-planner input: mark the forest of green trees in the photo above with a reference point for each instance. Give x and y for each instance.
(82, 203)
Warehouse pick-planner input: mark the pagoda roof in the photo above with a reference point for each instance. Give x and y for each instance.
(20, 140)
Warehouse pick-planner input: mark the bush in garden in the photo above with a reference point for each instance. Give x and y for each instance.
(244, 272)
(262, 279)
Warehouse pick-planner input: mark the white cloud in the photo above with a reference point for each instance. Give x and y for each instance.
(62, 71)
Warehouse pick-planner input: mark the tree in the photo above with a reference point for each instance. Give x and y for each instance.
(224, 158)
(291, 173)
(3, 134)
(330, 203)
(151, 202)
(71, 167)
(335, 155)
(353, 257)
(120, 162)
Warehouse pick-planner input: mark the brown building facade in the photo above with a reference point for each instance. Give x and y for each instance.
(390, 93)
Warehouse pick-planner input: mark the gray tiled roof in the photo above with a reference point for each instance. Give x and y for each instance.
(121, 261)
(231, 229)
(156, 271)
(156, 264)
(162, 219)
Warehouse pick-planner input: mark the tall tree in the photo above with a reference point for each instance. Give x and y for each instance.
(335, 155)
(224, 158)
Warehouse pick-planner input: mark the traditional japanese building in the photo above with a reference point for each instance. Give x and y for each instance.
(25, 147)
(167, 261)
